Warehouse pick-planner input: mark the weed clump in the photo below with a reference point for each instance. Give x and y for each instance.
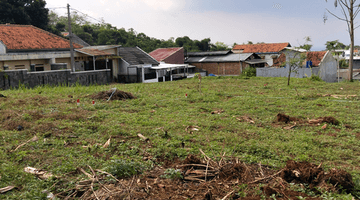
(115, 95)
(249, 72)
(124, 168)
(315, 78)
(172, 174)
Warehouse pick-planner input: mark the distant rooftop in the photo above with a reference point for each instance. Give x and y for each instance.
(208, 53)
(233, 57)
(97, 50)
(28, 37)
(136, 56)
(315, 57)
(163, 53)
(261, 48)
(76, 39)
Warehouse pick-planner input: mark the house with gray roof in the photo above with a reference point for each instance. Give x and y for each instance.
(134, 63)
(224, 62)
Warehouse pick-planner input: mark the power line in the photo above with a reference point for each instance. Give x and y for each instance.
(86, 15)
(57, 8)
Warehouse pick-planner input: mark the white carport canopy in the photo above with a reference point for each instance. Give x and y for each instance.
(170, 67)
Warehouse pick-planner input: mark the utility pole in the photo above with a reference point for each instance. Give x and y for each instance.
(71, 44)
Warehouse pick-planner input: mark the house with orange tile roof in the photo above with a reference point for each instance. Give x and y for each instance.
(174, 55)
(267, 51)
(31, 48)
(28, 47)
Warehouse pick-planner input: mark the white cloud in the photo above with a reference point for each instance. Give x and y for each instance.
(163, 19)
(165, 5)
(239, 28)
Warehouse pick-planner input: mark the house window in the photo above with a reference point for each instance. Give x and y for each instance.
(39, 68)
(19, 67)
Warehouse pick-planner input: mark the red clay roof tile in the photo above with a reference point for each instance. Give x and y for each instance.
(28, 37)
(261, 48)
(315, 57)
(163, 53)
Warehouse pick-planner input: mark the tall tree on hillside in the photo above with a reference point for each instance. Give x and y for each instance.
(24, 12)
(350, 10)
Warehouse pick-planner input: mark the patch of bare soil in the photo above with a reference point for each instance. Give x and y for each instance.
(208, 179)
(286, 119)
(115, 95)
(12, 120)
(282, 118)
(315, 176)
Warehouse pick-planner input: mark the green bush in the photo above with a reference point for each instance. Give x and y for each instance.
(343, 64)
(124, 168)
(315, 78)
(172, 174)
(249, 72)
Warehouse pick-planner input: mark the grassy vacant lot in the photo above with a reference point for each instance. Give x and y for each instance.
(70, 137)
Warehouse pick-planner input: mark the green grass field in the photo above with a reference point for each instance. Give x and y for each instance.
(71, 136)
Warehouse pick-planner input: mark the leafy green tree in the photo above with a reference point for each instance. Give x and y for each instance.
(219, 46)
(295, 61)
(27, 12)
(37, 13)
(335, 44)
(203, 45)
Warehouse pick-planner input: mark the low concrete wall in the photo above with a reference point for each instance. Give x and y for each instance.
(14, 78)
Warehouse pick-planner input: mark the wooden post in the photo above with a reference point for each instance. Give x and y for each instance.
(72, 60)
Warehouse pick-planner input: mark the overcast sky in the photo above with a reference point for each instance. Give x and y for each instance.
(227, 21)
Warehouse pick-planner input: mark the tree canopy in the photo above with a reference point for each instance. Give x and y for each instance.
(335, 44)
(27, 12)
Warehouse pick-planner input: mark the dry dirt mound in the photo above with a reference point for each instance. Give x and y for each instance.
(286, 119)
(115, 95)
(208, 179)
(315, 176)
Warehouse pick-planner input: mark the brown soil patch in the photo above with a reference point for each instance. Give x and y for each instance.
(315, 176)
(75, 115)
(207, 179)
(286, 119)
(330, 120)
(117, 95)
(282, 118)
